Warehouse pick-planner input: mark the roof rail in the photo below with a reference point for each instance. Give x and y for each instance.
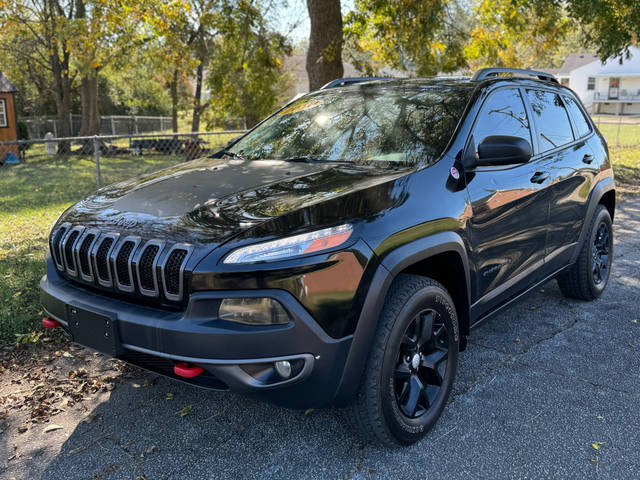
(341, 82)
(485, 73)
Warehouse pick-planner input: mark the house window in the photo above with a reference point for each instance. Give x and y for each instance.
(3, 113)
(591, 83)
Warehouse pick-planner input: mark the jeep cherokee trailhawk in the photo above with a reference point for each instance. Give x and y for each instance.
(339, 253)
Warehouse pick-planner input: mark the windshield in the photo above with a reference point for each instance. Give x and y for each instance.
(360, 125)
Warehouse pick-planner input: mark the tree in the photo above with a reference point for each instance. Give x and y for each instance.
(523, 32)
(515, 33)
(46, 24)
(246, 79)
(427, 36)
(324, 56)
(104, 31)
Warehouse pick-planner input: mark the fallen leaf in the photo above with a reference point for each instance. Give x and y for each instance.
(596, 445)
(151, 449)
(22, 428)
(67, 354)
(169, 396)
(600, 417)
(185, 411)
(308, 411)
(533, 307)
(517, 339)
(135, 385)
(51, 428)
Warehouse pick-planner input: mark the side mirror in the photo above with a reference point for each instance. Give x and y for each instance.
(503, 150)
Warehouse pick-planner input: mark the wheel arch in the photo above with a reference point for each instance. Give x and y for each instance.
(427, 257)
(603, 193)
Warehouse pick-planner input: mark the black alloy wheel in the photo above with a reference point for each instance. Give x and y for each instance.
(421, 364)
(601, 251)
(587, 278)
(412, 363)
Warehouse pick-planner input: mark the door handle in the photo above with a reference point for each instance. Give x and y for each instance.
(587, 159)
(539, 177)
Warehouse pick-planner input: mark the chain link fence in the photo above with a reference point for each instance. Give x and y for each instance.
(620, 130)
(109, 125)
(115, 125)
(140, 149)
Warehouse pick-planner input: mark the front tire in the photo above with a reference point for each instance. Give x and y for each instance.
(588, 277)
(412, 364)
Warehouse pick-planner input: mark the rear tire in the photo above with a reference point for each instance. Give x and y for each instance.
(412, 364)
(588, 277)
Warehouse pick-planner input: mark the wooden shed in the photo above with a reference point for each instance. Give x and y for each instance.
(8, 118)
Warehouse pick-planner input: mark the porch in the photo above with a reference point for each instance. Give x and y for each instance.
(616, 94)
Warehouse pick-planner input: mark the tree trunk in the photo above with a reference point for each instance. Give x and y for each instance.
(62, 89)
(89, 99)
(173, 89)
(197, 99)
(324, 57)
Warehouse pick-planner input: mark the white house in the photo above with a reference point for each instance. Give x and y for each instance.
(610, 87)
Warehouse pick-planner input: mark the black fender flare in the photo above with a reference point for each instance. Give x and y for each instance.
(392, 264)
(597, 192)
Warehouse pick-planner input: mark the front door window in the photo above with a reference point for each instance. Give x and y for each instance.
(614, 88)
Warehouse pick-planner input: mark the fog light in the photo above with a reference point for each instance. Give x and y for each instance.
(283, 367)
(253, 311)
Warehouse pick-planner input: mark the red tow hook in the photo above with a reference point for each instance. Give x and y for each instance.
(186, 370)
(50, 322)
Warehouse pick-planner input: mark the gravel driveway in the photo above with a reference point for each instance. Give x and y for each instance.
(539, 387)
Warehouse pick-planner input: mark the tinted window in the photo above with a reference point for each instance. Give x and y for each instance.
(363, 125)
(579, 120)
(551, 118)
(502, 114)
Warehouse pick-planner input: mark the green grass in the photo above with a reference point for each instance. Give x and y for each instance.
(629, 135)
(32, 195)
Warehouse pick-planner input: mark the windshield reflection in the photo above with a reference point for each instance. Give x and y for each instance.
(363, 125)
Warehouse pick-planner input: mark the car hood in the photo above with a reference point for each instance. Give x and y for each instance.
(210, 200)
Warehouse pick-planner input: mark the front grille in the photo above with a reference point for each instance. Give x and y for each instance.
(106, 260)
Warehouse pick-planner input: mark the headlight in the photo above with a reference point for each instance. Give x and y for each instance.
(253, 311)
(292, 246)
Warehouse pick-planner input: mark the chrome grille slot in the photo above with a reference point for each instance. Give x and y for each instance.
(85, 265)
(55, 246)
(122, 257)
(122, 263)
(103, 269)
(68, 243)
(172, 271)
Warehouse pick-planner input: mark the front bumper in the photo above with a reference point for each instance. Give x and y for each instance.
(234, 357)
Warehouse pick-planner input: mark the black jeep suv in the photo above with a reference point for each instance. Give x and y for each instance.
(339, 253)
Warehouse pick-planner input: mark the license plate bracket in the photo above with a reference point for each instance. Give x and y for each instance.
(93, 330)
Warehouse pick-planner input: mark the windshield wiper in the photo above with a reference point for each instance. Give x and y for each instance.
(310, 159)
(232, 154)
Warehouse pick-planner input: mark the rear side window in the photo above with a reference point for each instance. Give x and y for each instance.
(551, 119)
(502, 114)
(579, 120)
